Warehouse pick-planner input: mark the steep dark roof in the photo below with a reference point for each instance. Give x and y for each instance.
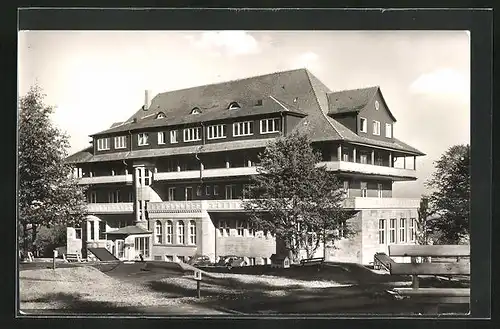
(128, 230)
(84, 155)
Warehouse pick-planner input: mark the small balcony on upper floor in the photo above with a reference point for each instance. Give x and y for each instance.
(110, 208)
(106, 179)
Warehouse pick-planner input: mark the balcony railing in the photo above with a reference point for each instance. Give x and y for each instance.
(369, 169)
(206, 173)
(377, 203)
(106, 179)
(110, 208)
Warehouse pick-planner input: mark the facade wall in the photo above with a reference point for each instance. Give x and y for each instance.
(349, 120)
(381, 115)
(348, 249)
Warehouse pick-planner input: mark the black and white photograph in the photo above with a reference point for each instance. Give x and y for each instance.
(244, 172)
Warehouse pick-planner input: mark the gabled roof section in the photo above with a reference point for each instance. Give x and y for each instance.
(353, 101)
(81, 156)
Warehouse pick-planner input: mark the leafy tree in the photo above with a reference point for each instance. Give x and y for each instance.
(293, 198)
(450, 199)
(48, 195)
(48, 238)
(424, 229)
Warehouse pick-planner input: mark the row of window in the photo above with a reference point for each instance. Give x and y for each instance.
(219, 131)
(113, 197)
(230, 191)
(168, 237)
(375, 127)
(364, 189)
(400, 234)
(363, 157)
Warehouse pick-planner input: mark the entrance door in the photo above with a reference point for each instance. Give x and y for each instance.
(120, 249)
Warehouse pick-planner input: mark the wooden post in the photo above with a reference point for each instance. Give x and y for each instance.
(414, 162)
(390, 160)
(373, 157)
(339, 153)
(414, 278)
(404, 162)
(354, 154)
(198, 288)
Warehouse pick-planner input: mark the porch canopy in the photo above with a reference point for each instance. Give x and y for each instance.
(129, 230)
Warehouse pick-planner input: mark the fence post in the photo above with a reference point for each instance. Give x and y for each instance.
(54, 259)
(414, 278)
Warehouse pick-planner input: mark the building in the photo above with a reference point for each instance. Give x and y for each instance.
(167, 182)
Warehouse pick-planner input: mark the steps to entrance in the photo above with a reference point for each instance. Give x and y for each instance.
(382, 260)
(102, 254)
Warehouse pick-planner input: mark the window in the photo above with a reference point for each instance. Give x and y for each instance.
(379, 190)
(379, 161)
(114, 196)
(173, 137)
(233, 106)
(199, 191)
(148, 177)
(171, 193)
(243, 128)
(142, 139)
(392, 230)
(103, 144)
(160, 115)
(388, 130)
(251, 230)
(230, 192)
(381, 231)
(239, 228)
(170, 230)
(376, 127)
(364, 189)
(196, 110)
(161, 137)
(413, 229)
(207, 190)
(180, 232)
(169, 258)
(223, 228)
(142, 246)
(192, 134)
(345, 154)
(181, 259)
(93, 197)
(192, 232)
(363, 158)
(363, 125)
(130, 197)
(270, 126)
(216, 189)
(377, 105)
(402, 230)
(120, 142)
(188, 193)
(102, 230)
(158, 232)
(346, 188)
(216, 131)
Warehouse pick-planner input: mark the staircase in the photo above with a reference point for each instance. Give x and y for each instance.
(102, 254)
(382, 260)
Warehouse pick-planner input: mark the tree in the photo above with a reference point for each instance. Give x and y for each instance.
(48, 195)
(293, 198)
(450, 199)
(424, 229)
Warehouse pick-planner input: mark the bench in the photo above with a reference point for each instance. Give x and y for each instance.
(312, 261)
(72, 258)
(415, 269)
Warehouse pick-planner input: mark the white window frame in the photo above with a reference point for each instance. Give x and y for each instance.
(388, 130)
(216, 131)
(142, 139)
(199, 190)
(103, 144)
(192, 232)
(251, 231)
(402, 230)
(269, 126)
(169, 232)
(346, 188)
(363, 125)
(382, 231)
(376, 127)
(412, 230)
(223, 228)
(207, 190)
(240, 228)
(364, 191)
(244, 128)
(114, 196)
(120, 142)
(377, 105)
(158, 232)
(181, 239)
(392, 230)
(161, 137)
(380, 189)
(93, 197)
(174, 137)
(192, 134)
(216, 189)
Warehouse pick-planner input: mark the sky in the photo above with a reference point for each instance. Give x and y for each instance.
(95, 78)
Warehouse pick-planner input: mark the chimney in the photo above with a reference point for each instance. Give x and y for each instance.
(147, 99)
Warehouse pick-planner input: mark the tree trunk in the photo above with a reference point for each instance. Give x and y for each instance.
(33, 239)
(25, 242)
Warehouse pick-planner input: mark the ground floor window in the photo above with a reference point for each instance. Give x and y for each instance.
(120, 246)
(192, 232)
(102, 230)
(413, 229)
(78, 233)
(180, 233)
(402, 230)
(181, 259)
(169, 232)
(158, 232)
(392, 230)
(142, 246)
(169, 258)
(381, 231)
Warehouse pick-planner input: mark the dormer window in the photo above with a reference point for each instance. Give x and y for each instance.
(196, 110)
(160, 115)
(233, 106)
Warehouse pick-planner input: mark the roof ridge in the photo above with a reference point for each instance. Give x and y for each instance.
(317, 102)
(355, 89)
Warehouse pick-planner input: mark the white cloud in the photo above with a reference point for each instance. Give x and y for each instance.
(442, 81)
(306, 60)
(226, 42)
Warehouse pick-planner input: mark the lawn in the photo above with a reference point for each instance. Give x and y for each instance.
(169, 288)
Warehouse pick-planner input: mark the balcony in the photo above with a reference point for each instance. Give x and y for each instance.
(110, 208)
(369, 169)
(195, 206)
(206, 173)
(359, 203)
(106, 179)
